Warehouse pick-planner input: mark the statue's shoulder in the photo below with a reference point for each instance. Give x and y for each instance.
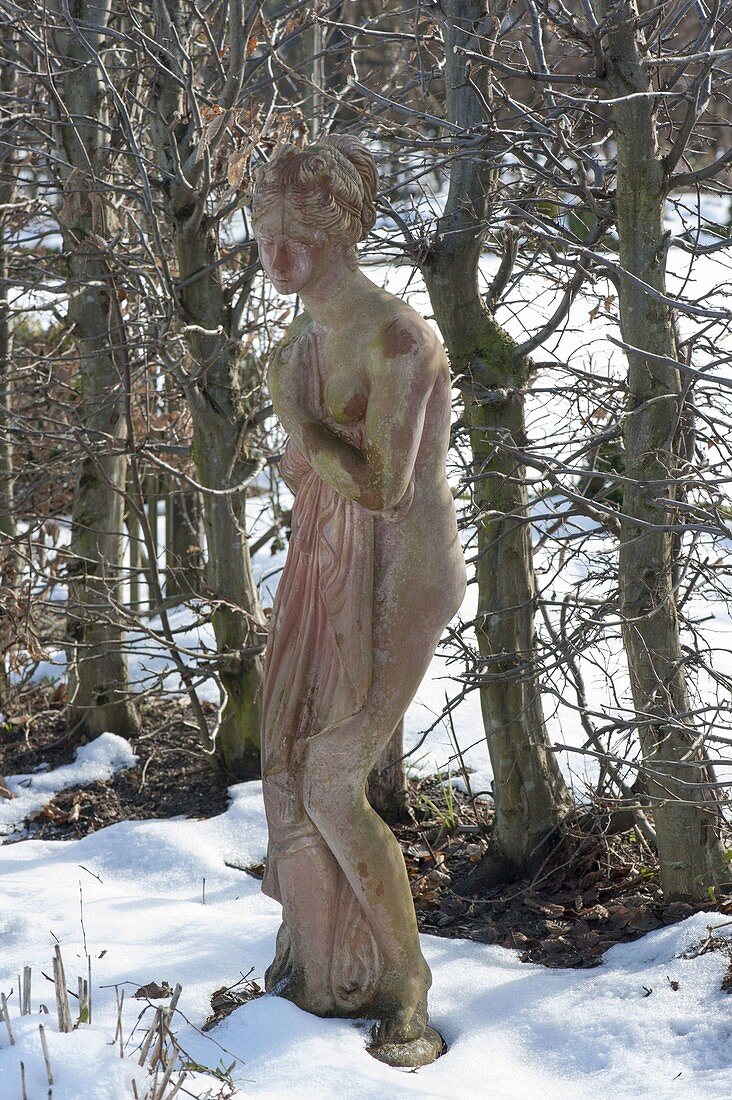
(302, 325)
(406, 335)
(298, 329)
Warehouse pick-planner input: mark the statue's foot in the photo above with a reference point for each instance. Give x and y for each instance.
(404, 1038)
(408, 1053)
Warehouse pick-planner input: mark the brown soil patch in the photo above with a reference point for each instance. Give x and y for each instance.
(593, 891)
(173, 777)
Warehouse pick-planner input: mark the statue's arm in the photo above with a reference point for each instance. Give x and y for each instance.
(402, 376)
(342, 466)
(292, 466)
(286, 390)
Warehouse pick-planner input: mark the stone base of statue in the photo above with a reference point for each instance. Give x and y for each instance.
(391, 1040)
(410, 1054)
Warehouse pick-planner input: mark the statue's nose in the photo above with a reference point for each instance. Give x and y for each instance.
(280, 263)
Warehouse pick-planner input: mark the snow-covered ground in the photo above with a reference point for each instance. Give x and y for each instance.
(513, 1029)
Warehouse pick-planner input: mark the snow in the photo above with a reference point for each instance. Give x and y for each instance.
(512, 1028)
(99, 760)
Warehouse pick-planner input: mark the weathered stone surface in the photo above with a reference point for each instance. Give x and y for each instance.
(374, 573)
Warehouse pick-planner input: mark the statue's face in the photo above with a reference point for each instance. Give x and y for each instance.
(292, 254)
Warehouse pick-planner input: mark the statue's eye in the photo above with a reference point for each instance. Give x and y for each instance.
(298, 247)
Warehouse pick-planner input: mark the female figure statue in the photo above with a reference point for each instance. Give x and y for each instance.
(374, 572)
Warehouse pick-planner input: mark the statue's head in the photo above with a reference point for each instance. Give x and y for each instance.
(308, 203)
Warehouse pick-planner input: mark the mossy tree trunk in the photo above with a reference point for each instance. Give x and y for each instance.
(685, 810)
(98, 688)
(531, 798)
(218, 386)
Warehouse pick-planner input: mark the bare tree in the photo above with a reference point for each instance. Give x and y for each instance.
(531, 798)
(99, 695)
(10, 563)
(655, 425)
(651, 87)
(189, 89)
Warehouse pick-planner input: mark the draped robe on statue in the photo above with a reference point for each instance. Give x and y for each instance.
(317, 673)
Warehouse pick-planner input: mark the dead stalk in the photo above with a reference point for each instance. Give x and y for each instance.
(120, 999)
(147, 1040)
(157, 1055)
(6, 1017)
(178, 1085)
(63, 1008)
(46, 1056)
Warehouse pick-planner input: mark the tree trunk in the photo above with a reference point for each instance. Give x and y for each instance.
(99, 691)
(182, 545)
(531, 798)
(219, 379)
(237, 619)
(387, 784)
(687, 817)
(11, 564)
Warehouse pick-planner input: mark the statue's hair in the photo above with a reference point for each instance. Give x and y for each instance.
(331, 183)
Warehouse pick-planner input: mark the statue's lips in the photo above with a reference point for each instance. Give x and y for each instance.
(282, 281)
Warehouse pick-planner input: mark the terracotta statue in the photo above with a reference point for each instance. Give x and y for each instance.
(374, 572)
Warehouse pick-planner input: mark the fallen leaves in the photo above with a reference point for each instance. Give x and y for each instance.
(726, 986)
(228, 998)
(54, 813)
(153, 992)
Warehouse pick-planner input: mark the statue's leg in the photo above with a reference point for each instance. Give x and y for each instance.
(337, 762)
(303, 875)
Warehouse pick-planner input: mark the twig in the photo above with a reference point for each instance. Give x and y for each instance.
(461, 756)
(81, 917)
(92, 873)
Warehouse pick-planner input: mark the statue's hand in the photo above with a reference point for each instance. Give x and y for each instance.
(348, 471)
